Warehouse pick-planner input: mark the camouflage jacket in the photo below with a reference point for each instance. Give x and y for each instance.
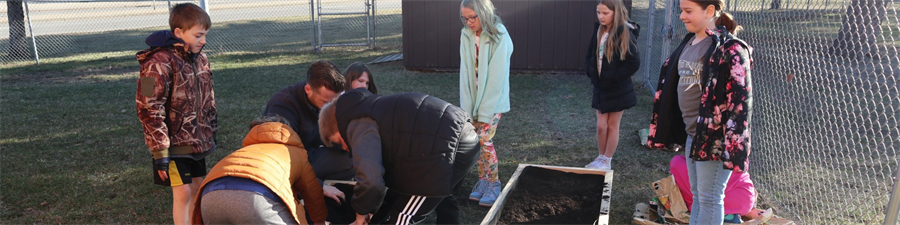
(175, 101)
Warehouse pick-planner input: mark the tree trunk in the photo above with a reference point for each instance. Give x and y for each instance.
(776, 4)
(627, 6)
(860, 28)
(18, 46)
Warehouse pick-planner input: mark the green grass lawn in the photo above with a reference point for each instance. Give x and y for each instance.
(73, 151)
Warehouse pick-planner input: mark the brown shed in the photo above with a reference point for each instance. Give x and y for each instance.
(547, 34)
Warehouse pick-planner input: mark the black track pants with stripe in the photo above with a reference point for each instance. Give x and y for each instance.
(400, 208)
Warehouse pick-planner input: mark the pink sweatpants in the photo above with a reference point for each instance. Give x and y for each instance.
(740, 196)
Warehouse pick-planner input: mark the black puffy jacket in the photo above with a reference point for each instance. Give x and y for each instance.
(419, 135)
(613, 89)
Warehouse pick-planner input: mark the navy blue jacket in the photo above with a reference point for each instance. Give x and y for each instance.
(613, 89)
(292, 103)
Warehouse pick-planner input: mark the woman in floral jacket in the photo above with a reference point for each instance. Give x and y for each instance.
(703, 102)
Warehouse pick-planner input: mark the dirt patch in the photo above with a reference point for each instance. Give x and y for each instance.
(544, 196)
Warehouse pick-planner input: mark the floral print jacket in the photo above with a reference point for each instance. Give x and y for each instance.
(723, 126)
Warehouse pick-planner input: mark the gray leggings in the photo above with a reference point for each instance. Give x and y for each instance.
(243, 207)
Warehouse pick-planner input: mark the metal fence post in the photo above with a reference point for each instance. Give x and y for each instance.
(647, 57)
(312, 20)
(667, 30)
(374, 23)
(319, 26)
(37, 59)
(890, 216)
(204, 4)
(368, 24)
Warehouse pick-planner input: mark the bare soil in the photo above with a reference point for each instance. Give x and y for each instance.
(544, 196)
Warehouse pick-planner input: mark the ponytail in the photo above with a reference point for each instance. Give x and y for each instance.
(725, 19)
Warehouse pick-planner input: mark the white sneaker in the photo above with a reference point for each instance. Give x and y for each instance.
(598, 163)
(605, 166)
(592, 164)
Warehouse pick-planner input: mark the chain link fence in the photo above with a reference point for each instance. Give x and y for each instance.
(660, 34)
(825, 83)
(71, 28)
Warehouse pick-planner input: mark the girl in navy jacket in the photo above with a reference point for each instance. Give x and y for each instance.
(611, 60)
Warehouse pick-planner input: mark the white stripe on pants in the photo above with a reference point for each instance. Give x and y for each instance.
(404, 209)
(405, 216)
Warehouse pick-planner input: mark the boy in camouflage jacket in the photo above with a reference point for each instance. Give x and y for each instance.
(176, 105)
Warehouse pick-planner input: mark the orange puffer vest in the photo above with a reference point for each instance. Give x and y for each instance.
(273, 155)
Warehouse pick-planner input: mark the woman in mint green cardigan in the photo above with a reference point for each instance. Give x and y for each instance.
(485, 49)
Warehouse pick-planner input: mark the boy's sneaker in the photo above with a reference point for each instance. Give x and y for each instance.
(491, 192)
(477, 191)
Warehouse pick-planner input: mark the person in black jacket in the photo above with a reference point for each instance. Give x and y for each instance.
(300, 104)
(409, 151)
(612, 59)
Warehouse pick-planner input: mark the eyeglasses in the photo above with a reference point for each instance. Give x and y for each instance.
(467, 19)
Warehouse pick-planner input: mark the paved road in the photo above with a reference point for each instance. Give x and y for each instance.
(63, 18)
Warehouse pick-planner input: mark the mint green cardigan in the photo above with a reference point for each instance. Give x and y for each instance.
(491, 96)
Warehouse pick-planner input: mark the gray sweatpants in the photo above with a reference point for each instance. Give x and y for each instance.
(243, 207)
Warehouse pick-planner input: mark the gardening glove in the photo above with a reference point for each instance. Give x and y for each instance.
(161, 164)
(162, 167)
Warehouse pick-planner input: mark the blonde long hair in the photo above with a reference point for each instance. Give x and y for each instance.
(619, 34)
(485, 11)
